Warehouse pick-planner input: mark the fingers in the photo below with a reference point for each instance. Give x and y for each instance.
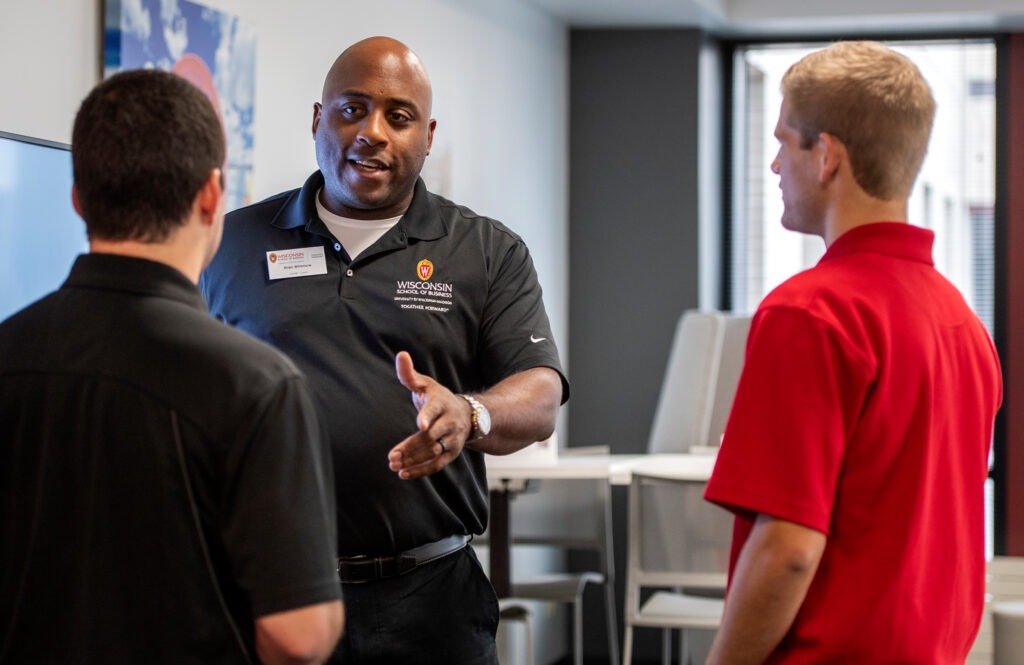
(420, 455)
(439, 410)
(443, 420)
(419, 384)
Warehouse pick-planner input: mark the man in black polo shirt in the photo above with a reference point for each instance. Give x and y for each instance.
(378, 288)
(165, 488)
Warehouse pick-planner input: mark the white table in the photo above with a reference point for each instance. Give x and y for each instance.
(509, 474)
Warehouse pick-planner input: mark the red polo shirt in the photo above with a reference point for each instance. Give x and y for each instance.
(865, 411)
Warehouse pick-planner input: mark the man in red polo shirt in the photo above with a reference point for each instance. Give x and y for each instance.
(857, 448)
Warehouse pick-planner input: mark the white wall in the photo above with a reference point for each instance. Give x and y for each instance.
(49, 59)
(500, 74)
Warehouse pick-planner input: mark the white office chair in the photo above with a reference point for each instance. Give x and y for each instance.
(572, 515)
(682, 418)
(732, 352)
(679, 547)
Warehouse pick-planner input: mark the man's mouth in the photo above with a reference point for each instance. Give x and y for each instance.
(369, 164)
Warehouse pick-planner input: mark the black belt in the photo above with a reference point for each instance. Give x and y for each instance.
(366, 569)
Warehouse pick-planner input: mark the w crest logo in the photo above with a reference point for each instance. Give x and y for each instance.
(424, 270)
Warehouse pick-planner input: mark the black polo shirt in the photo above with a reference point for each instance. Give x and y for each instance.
(458, 291)
(110, 388)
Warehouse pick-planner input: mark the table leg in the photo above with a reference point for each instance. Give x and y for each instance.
(500, 530)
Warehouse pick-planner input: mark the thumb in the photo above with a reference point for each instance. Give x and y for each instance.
(407, 374)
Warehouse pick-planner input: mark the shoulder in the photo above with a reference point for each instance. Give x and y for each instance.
(265, 211)
(245, 353)
(23, 327)
(830, 304)
(820, 289)
(248, 233)
(461, 218)
(286, 210)
(221, 355)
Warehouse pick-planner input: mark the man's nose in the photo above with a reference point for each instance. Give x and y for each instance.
(374, 129)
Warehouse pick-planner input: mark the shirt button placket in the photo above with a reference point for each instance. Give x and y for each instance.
(346, 284)
(344, 289)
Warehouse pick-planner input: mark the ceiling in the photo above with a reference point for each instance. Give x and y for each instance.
(797, 17)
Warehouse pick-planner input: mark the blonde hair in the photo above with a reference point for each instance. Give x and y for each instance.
(872, 99)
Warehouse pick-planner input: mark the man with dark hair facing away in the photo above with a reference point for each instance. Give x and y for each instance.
(167, 495)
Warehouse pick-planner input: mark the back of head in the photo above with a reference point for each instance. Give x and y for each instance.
(143, 143)
(872, 99)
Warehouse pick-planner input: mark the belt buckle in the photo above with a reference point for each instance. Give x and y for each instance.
(355, 563)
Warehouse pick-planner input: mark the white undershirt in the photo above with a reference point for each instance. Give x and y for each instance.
(355, 235)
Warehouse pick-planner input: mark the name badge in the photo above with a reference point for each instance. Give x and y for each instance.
(299, 262)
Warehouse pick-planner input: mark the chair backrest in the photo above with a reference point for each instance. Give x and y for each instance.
(676, 538)
(730, 366)
(682, 416)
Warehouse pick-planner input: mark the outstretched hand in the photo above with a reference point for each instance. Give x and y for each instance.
(442, 423)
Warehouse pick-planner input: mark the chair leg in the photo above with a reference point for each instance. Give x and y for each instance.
(684, 648)
(666, 646)
(528, 634)
(577, 632)
(613, 624)
(627, 646)
(518, 613)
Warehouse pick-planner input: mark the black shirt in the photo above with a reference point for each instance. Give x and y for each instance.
(458, 291)
(112, 389)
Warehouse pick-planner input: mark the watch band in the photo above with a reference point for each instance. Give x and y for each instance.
(478, 429)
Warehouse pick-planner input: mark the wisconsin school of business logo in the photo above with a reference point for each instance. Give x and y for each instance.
(272, 257)
(424, 270)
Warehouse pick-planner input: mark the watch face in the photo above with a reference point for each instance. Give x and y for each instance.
(483, 420)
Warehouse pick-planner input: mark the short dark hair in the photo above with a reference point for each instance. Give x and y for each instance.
(144, 142)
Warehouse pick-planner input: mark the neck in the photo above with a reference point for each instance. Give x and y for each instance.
(857, 208)
(183, 255)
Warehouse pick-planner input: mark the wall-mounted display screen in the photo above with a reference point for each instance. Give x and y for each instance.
(40, 232)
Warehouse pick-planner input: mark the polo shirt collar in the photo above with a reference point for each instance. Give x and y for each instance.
(422, 221)
(898, 239)
(114, 272)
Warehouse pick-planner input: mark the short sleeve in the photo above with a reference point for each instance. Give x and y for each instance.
(516, 332)
(280, 521)
(800, 393)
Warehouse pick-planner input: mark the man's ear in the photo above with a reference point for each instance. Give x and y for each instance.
(317, 107)
(75, 202)
(209, 198)
(430, 134)
(832, 154)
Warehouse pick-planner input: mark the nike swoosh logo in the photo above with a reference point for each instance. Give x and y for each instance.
(537, 339)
